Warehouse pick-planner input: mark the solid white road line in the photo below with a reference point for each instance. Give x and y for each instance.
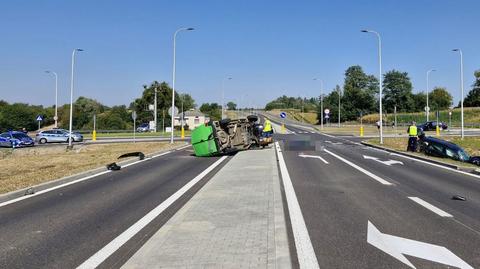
(75, 181)
(305, 252)
(120, 240)
(430, 207)
(436, 165)
(368, 173)
(53, 188)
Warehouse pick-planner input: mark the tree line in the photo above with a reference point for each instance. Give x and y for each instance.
(20, 115)
(359, 96)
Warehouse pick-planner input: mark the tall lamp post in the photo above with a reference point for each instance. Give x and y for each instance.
(223, 94)
(321, 102)
(173, 81)
(379, 79)
(56, 96)
(71, 98)
(428, 89)
(155, 110)
(461, 84)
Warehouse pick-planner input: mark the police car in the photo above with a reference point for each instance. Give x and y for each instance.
(14, 139)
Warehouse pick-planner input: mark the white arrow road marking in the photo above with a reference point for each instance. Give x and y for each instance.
(333, 143)
(389, 162)
(397, 247)
(313, 156)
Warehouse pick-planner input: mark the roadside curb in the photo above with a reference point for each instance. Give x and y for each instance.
(56, 182)
(452, 166)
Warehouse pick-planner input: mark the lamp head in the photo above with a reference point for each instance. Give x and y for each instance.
(365, 31)
(190, 29)
(456, 50)
(48, 72)
(79, 49)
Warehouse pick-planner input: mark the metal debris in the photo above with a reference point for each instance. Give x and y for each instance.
(138, 154)
(113, 167)
(459, 198)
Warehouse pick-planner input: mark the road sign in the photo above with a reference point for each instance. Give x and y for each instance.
(327, 116)
(427, 108)
(327, 111)
(283, 115)
(175, 111)
(134, 115)
(450, 113)
(55, 118)
(39, 118)
(397, 247)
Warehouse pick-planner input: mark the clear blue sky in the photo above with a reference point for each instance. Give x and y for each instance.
(268, 47)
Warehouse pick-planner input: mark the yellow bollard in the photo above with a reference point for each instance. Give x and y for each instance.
(438, 130)
(361, 131)
(183, 133)
(283, 128)
(94, 135)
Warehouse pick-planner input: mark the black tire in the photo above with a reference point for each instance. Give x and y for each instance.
(224, 122)
(42, 141)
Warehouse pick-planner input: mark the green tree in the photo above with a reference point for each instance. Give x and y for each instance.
(231, 106)
(359, 93)
(331, 102)
(473, 96)
(397, 92)
(439, 99)
(187, 100)
(419, 101)
(212, 110)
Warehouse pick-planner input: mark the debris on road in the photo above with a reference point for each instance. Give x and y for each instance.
(138, 154)
(113, 166)
(459, 198)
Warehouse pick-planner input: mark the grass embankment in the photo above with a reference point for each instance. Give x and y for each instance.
(296, 114)
(471, 117)
(25, 167)
(470, 144)
(130, 134)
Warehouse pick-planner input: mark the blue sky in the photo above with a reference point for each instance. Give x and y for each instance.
(269, 48)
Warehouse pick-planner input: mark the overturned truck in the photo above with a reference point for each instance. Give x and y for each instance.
(229, 135)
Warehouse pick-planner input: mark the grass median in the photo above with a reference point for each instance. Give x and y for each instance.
(26, 167)
(470, 144)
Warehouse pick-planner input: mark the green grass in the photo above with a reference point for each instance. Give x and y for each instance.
(471, 117)
(130, 134)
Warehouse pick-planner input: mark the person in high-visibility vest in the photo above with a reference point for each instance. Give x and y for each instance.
(267, 127)
(412, 137)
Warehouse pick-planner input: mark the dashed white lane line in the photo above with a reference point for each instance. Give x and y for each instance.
(120, 240)
(430, 207)
(305, 252)
(368, 173)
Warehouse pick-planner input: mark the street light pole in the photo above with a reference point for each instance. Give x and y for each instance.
(321, 102)
(155, 110)
(339, 111)
(428, 89)
(379, 79)
(223, 94)
(173, 81)
(56, 96)
(461, 83)
(71, 98)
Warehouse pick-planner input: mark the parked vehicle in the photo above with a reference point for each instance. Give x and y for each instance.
(144, 127)
(432, 126)
(444, 149)
(218, 137)
(57, 135)
(15, 139)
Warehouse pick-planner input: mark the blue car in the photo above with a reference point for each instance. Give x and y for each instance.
(15, 140)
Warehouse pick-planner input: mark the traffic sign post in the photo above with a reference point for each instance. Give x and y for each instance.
(39, 119)
(283, 115)
(327, 114)
(134, 118)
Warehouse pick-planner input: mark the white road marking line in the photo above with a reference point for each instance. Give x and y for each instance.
(436, 165)
(73, 182)
(120, 240)
(368, 173)
(327, 135)
(184, 147)
(430, 207)
(305, 252)
(53, 188)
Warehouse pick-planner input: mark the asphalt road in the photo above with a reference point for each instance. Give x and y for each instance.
(64, 227)
(338, 201)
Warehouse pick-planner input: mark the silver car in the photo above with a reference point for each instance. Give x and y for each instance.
(57, 135)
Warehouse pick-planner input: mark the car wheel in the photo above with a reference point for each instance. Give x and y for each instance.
(42, 141)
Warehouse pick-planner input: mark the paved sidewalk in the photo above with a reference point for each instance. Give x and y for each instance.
(235, 221)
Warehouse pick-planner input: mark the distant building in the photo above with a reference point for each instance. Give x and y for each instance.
(192, 118)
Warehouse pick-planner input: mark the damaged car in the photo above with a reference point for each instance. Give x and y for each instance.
(444, 149)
